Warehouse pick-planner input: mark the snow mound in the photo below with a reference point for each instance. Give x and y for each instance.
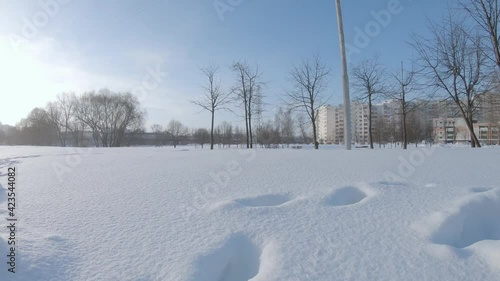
(473, 220)
(270, 200)
(349, 195)
(239, 259)
(489, 251)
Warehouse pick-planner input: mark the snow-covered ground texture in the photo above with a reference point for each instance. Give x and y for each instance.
(188, 214)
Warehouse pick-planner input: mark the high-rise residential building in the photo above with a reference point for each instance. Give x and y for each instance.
(360, 119)
(325, 124)
(330, 124)
(489, 108)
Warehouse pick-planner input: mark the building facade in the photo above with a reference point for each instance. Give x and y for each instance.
(325, 124)
(455, 130)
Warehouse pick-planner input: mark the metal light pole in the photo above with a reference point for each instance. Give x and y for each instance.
(345, 80)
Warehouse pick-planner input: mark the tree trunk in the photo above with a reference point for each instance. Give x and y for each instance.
(403, 117)
(246, 123)
(250, 114)
(316, 144)
(212, 131)
(370, 134)
(474, 140)
(313, 119)
(250, 128)
(470, 125)
(405, 137)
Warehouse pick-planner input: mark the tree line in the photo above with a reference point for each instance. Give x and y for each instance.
(114, 119)
(269, 134)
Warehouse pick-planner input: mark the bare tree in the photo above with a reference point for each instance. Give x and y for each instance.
(112, 117)
(303, 126)
(214, 99)
(247, 88)
(238, 136)
(486, 14)
(77, 128)
(177, 131)
(61, 114)
(55, 116)
(258, 109)
(156, 128)
(381, 131)
(284, 124)
(368, 83)
(37, 129)
(226, 130)
(454, 63)
(202, 136)
(269, 135)
(159, 134)
(310, 80)
(277, 135)
(404, 85)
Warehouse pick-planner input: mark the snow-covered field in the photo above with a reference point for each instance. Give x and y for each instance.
(260, 215)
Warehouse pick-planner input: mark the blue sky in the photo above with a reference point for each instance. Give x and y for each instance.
(85, 45)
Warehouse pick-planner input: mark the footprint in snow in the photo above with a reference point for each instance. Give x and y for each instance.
(268, 200)
(238, 259)
(55, 238)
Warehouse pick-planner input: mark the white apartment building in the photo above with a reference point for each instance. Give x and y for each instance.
(330, 124)
(325, 124)
(454, 130)
(338, 136)
(360, 116)
(330, 121)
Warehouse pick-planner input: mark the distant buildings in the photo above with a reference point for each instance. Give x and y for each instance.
(454, 130)
(486, 123)
(430, 121)
(330, 121)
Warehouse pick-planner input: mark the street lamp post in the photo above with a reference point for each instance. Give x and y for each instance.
(345, 79)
